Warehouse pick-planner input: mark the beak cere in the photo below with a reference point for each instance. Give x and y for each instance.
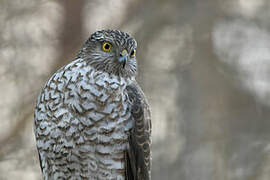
(123, 58)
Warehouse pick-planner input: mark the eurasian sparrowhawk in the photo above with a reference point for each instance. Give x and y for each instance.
(92, 120)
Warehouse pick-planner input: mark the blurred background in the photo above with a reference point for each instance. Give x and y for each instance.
(204, 66)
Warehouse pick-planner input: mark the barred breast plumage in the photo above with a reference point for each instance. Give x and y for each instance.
(85, 122)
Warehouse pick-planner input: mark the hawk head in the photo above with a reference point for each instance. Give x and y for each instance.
(111, 51)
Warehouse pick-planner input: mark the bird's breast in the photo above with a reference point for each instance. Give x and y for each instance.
(82, 123)
(105, 121)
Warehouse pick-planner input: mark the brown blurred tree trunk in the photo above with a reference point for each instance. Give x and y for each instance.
(72, 31)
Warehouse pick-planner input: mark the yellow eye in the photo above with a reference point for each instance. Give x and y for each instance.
(133, 52)
(106, 46)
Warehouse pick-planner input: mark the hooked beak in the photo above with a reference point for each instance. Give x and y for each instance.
(123, 58)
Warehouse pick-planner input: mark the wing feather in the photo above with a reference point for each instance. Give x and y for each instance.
(139, 154)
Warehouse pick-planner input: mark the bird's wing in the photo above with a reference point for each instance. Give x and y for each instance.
(138, 156)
